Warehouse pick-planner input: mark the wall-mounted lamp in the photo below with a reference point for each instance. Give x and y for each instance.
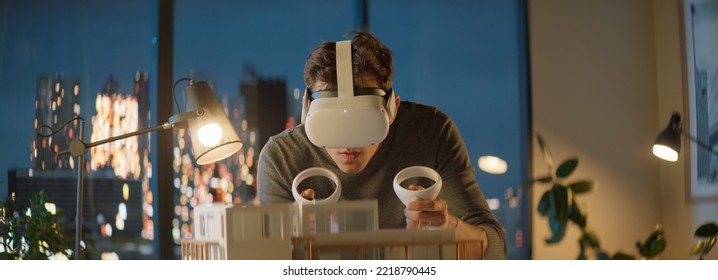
(213, 137)
(668, 142)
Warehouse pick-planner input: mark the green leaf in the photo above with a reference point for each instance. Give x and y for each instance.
(544, 203)
(652, 238)
(592, 240)
(641, 249)
(557, 226)
(558, 229)
(545, 152)
(582, 186)
(622, 256)
(575, 215)
(656, 248)
(709, 245)
(582, 249)
(560, 196)
(546, 179)
(566, 168)
(600, 255)
(654, 245)
(707, 230)
(697, 248)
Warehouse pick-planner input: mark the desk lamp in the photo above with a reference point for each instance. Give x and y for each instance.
(212, 135)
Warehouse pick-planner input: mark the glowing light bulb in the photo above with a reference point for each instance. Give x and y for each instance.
(665, 152)
(493, 165)
(210, 134)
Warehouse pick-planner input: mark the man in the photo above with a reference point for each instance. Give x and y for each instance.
(418, 135)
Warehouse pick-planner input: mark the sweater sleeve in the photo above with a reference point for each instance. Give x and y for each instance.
(460, 189)
(271, 186)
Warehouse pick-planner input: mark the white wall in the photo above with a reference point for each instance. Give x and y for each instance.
(606, 75)
(676, 213)
(594, 96)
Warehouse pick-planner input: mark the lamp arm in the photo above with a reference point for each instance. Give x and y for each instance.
(700, 143)
(163, 126)
(77, 147)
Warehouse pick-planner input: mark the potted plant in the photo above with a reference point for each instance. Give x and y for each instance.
(559, 203)
(35, 232)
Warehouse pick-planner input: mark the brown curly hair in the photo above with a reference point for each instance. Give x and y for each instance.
(369, 56)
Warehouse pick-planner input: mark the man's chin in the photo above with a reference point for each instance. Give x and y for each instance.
(350, 169)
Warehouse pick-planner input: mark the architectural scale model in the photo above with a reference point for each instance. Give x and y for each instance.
(341, 230)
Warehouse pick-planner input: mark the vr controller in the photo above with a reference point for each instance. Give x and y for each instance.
(405, 195)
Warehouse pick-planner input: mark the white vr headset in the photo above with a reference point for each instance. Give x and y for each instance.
(347, 118)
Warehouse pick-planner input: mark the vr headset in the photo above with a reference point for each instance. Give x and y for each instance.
(347, 117)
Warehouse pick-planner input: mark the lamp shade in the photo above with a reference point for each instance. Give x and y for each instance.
(668, 142)
(213, 136)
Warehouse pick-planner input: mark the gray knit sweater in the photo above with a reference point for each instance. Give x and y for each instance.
(420, 135)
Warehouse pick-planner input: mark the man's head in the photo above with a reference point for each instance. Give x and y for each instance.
(369, 57)
(372, 68)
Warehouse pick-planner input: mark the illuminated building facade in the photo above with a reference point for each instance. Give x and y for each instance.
(117, 192)
(57, 100)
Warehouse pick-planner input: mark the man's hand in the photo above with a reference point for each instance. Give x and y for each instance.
(435, 213)
(308, 194)
(428, 213)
